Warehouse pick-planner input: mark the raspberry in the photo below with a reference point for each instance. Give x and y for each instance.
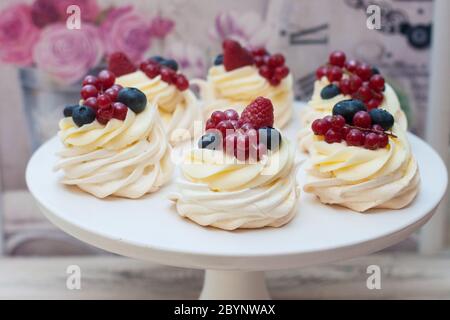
(120, 64)
(259, 113)
(234, 56)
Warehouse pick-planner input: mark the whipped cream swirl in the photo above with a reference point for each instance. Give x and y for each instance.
(319, 108)
(178, 109)
(123, 158)
(222, 192)
(237, 88)
(362, 179)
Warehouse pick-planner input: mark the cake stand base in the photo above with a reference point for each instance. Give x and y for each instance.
(240, 285)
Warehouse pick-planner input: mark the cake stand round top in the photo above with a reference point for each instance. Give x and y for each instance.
(150, 228)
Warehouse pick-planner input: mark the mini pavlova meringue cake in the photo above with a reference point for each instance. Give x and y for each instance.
(114, 141)
(164, 86)
(361, 160)
(245, 180)
(240, 75)
(342, 79)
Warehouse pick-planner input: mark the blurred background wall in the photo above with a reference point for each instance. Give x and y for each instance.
(305, 31)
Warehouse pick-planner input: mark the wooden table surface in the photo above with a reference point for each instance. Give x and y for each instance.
(404, 276)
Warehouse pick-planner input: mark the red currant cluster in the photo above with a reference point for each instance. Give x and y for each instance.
(153, 68)
(361, 132)
(362, 82)
(100, 93)
(271, 67)
(249, 135)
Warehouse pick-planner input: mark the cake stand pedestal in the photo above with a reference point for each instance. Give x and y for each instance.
(150, 229)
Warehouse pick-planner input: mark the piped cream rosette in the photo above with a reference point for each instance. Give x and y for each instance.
(241, 86)
(361, 179)
(220, 191)
(178, 109)
(318, 108)
(123, 158)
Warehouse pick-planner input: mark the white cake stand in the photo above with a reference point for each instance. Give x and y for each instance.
(150, 229)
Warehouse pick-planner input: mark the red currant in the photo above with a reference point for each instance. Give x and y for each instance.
(276, 60)
(364, 71)
(181, 82)
(362, 119)
(332, 136)
(364, 93)
(354, 138)
(90, 79)
(334, 74)
(231, 114)
(91, 102)
(167, 75)
(281, 72)
(104, 115)
(321, 72)
(210, 124)
(355, 83)
(151, 70)
(351, 65)
(88, 91)
(117, 87)
(119, 110)
(258, 60)
(266, 72)
(371, 141)
(383, 140)
(377, 82)
(274, 81)
(103, 101)
(344, 86)
(345, 130)
(373, 104)
(337, 58)
(320, 126)
(337, 122)
(225, 127)
(112, 93)
(217, 116)
(259, 52)
(106, 79)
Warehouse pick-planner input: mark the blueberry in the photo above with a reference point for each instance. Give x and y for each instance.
(348, 108)
(68, 110)
(375, 70)
(170, 63)
(218, 60)
(211, 141)
(158, 59)
(271, 137)
(382, 117)
(82, 115)
(330, 91)
(133, 98)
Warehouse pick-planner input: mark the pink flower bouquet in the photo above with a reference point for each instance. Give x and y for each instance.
(36, 35)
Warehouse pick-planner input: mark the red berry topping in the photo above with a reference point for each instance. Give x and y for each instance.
(337, 122)
(259, 60)
(90, 79)
(362, 119)
(334, 74)
(266, 72)
(104, 115)
(258, 113)
(210, 124)
(117, 87)
(355, 83)
(276, 60)
(371, 141)
(320, 126)
(120, 64)
(106, 79)
(103, 101)
(321, 72)
(167, 75)
(234, 56)
(377, 82)
(345, 130)
(344, 86)
(91, 102)
(218, 116)
(231, 114)
(383, 140)
(364, 93)
(373, 103)
(181, 82)
(281, 72)
(151, 70)
(351, 65)
(332, 136)
(88, 91)
(364, 71)
(225, 127)
(377, 127)
(259, 52)
(112, 93)
(274, 81)
(119, 110)
(337, 58)
(354, 138)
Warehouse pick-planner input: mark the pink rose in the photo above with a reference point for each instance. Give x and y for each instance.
(68, 54)
(127, 31)
(161, 26)
(18, 35)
